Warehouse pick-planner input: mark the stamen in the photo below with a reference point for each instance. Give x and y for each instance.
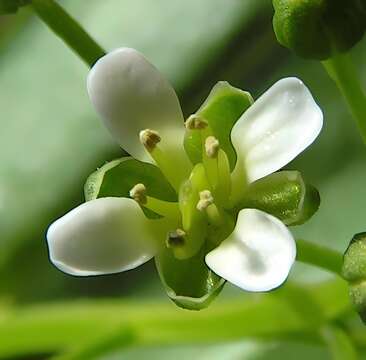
(149, 138)
(138, 193)
(206, 199)
(160, 207)
(212, 147)
(175, 238)
(207, 204)
(196, 122)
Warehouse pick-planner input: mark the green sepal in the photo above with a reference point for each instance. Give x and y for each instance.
(118, 177)
(310, 204)
(12, 6)
(222, 108)
(283, 195)
(190, 284)
(354, 271)
(317, 29)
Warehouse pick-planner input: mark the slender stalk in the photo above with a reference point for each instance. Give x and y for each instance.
(320, 256)
(341, 69)
(69, 30)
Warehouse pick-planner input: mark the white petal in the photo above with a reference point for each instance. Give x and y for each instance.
(101, 236)
(258, 255)
(276, 128)
(131, 95)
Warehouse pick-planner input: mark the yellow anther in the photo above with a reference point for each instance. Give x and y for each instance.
(149, 138)
(138, 193)
(212, 147)
(206, 199)
(196, 122)
(175, 238)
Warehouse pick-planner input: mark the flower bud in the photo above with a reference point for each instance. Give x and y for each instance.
(317, 29)
(354, 271)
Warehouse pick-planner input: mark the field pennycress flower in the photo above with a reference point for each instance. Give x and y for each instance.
(206, 198)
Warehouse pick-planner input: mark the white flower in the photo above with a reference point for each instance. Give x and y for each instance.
(137, 104)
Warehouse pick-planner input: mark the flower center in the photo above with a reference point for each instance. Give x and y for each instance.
(202, 212)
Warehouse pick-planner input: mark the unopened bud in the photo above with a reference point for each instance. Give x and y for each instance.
(317, 29)
(138, 193)
(354, 271)
(149, 138)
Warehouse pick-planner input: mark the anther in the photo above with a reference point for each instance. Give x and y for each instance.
(206, 199)
(138, 193)
(196, 122)
(149, 138)
(212, 147)
(175, 238)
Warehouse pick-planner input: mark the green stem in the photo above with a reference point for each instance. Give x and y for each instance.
(320, 256)
(68, 29)
(341, 69)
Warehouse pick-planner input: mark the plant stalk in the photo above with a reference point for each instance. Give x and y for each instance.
(69, 30)
(342, 71)
(320, 256)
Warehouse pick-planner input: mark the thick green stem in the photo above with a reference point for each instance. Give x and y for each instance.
(68, 29)
(320, 256)
(341, 69)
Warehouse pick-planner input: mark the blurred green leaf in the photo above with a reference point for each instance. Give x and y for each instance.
(58, 327)
(339, 343)
(246, 349)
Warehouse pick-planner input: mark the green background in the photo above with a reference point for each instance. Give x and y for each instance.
(51, 140)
